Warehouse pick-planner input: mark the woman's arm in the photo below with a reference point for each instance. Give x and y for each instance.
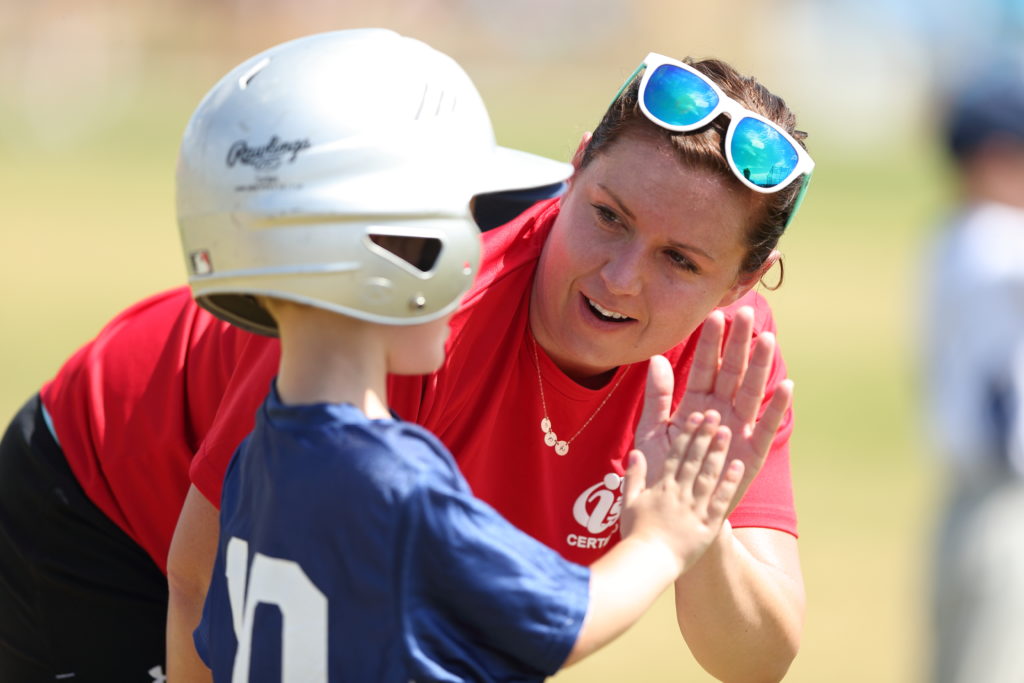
(189, 566)
(740, 608)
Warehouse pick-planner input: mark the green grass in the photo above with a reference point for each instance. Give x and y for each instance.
(89, 229)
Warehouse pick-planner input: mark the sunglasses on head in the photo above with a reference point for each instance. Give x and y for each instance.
(761, 154)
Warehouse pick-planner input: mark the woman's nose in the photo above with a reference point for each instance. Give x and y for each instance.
(622, 272)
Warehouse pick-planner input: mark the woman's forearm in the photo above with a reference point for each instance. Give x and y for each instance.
(740, 608)
(189, 565)
(183, 662)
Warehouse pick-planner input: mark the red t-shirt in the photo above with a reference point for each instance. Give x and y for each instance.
(484, 404)
(131, 407)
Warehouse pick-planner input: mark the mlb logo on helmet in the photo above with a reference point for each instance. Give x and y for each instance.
(201, 262)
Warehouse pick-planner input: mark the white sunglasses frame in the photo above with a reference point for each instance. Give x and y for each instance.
(736, 112)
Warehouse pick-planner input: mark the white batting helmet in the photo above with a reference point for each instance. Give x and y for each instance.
(298, 166)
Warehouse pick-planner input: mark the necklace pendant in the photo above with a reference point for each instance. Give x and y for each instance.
(561, 447)
(545, 425)
(550, 438)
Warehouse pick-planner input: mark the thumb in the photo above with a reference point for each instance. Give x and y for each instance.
(636, 477)
(657, 395)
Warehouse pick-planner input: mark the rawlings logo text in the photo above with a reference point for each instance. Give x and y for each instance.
(268, 156)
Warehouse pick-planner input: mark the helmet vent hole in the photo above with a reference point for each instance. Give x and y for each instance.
(246, 78)
(419, 252)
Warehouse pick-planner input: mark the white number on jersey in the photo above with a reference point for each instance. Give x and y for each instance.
(273, 581)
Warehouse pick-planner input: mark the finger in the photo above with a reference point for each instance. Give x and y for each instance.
(678, 449)
(657, 396)
(696, 449)
(722, 499)
(751, 391)
(735, 354)
(764, 431)
(705, 357)
(711, 468)
(636, 477)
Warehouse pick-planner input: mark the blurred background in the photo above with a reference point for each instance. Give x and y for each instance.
(94, 95)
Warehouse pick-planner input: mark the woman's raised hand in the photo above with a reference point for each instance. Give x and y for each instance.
(730, 382)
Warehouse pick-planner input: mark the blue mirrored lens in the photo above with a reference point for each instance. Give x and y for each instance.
(761, 154)
(678, 97)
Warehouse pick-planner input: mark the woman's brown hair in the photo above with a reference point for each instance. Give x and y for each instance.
(705, 147)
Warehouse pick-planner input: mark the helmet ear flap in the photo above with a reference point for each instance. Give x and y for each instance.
(243, 310)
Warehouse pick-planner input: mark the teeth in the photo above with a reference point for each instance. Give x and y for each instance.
(605, 312)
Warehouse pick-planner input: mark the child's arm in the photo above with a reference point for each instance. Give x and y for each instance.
(666, 528)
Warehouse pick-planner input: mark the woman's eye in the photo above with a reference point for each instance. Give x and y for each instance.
(606, 215)
(682, 261)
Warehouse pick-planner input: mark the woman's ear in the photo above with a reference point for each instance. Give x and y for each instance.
(746, 281)
(577, 158)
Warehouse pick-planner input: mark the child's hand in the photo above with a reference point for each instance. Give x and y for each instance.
(685, 507)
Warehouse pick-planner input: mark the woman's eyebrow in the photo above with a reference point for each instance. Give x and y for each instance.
(622, 205)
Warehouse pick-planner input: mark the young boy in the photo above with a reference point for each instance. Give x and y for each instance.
(351, 547)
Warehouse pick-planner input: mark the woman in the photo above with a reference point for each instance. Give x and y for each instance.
(662, 232)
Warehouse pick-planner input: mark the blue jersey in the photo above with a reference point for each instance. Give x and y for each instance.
(353, 549)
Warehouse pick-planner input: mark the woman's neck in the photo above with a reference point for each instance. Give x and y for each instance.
(590, 378)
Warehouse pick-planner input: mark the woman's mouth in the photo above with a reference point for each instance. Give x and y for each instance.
(605, 314)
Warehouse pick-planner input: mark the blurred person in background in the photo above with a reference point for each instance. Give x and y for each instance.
(974, 383)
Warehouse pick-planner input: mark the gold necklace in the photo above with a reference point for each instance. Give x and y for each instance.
(550, 438)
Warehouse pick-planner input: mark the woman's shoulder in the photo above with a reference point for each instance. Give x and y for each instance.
(514, 247)
(531, 228)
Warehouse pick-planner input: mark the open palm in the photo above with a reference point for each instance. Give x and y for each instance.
(731, 382)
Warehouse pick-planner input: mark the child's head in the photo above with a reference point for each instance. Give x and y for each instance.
(336, 171)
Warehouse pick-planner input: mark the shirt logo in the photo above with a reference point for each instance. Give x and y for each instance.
(597, 509)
